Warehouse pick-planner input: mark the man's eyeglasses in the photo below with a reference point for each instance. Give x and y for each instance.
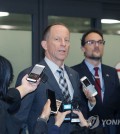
(94, 42)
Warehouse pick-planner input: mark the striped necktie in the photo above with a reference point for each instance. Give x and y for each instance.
(63, 85)
(97, 81)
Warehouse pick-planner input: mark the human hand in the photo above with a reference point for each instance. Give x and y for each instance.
(46, 110)
(91, 99)
(26, 86)
(83, 121)
(59, 117)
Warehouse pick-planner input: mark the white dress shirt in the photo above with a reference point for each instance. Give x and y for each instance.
(53, 67)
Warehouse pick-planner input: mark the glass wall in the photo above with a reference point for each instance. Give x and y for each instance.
(77, 27)
(110, 26)
(15, 41)
(111, 30)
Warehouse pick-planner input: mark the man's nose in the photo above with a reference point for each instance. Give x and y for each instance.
(63, 42)
(96, 43)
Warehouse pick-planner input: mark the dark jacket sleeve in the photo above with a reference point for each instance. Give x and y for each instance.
(54, 130)
(9, 104)
(40, 127)
(85, 130)
(13, 99)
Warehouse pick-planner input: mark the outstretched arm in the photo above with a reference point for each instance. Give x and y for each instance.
(27, 87)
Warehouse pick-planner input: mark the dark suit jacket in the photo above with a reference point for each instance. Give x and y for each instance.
(32, 104)
(41, 128)
(108, 108)
(9, 104)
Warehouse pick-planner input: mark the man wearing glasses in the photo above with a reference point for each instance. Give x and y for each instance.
(104, 78)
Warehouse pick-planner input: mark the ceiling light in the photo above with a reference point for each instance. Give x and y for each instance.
(4, 14)
(7, 27)
(118, 32)
(109, 21)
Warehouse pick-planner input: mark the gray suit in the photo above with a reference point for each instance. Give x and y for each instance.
(33, 103)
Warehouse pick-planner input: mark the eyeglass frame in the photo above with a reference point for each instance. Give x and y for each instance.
(93, 42)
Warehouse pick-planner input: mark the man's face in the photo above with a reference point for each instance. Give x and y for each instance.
(94, 50)
(57, 44)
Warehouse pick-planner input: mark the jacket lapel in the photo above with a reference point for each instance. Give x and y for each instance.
(52, 81)
(70, 76)
(74, 81)
(107, 83)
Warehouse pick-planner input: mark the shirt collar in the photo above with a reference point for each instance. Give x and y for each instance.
(91, 67)
(52, 65)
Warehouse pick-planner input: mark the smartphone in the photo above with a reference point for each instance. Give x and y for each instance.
(36, 73)
(74, 118)
(88, 86)
(51, 96)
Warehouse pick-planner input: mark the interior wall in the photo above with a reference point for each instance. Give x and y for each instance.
(16, 47)
(27, 45)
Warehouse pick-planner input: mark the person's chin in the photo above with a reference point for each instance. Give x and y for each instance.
(63, 57)
(94, 58)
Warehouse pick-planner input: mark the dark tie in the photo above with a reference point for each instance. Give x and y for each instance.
(63, 85)
(97, 81)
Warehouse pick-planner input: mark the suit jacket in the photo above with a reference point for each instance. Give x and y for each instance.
(108, 108)
(32, 104)
(41, 128)
(9, 104)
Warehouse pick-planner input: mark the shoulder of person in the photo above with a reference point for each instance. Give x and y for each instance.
(78, 66)
(109, 68)
(71, 70)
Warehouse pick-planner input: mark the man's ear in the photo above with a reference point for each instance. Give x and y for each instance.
(82, 48)
(44, 44)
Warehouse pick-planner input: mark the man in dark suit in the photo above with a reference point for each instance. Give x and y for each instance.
(56, 42)
(92, 44)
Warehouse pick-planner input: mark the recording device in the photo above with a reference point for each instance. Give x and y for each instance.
(75, 106)
(51, 96)
(67, 107)
(55, 104)
(36, 73)
(72, 117)
(88, 86)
